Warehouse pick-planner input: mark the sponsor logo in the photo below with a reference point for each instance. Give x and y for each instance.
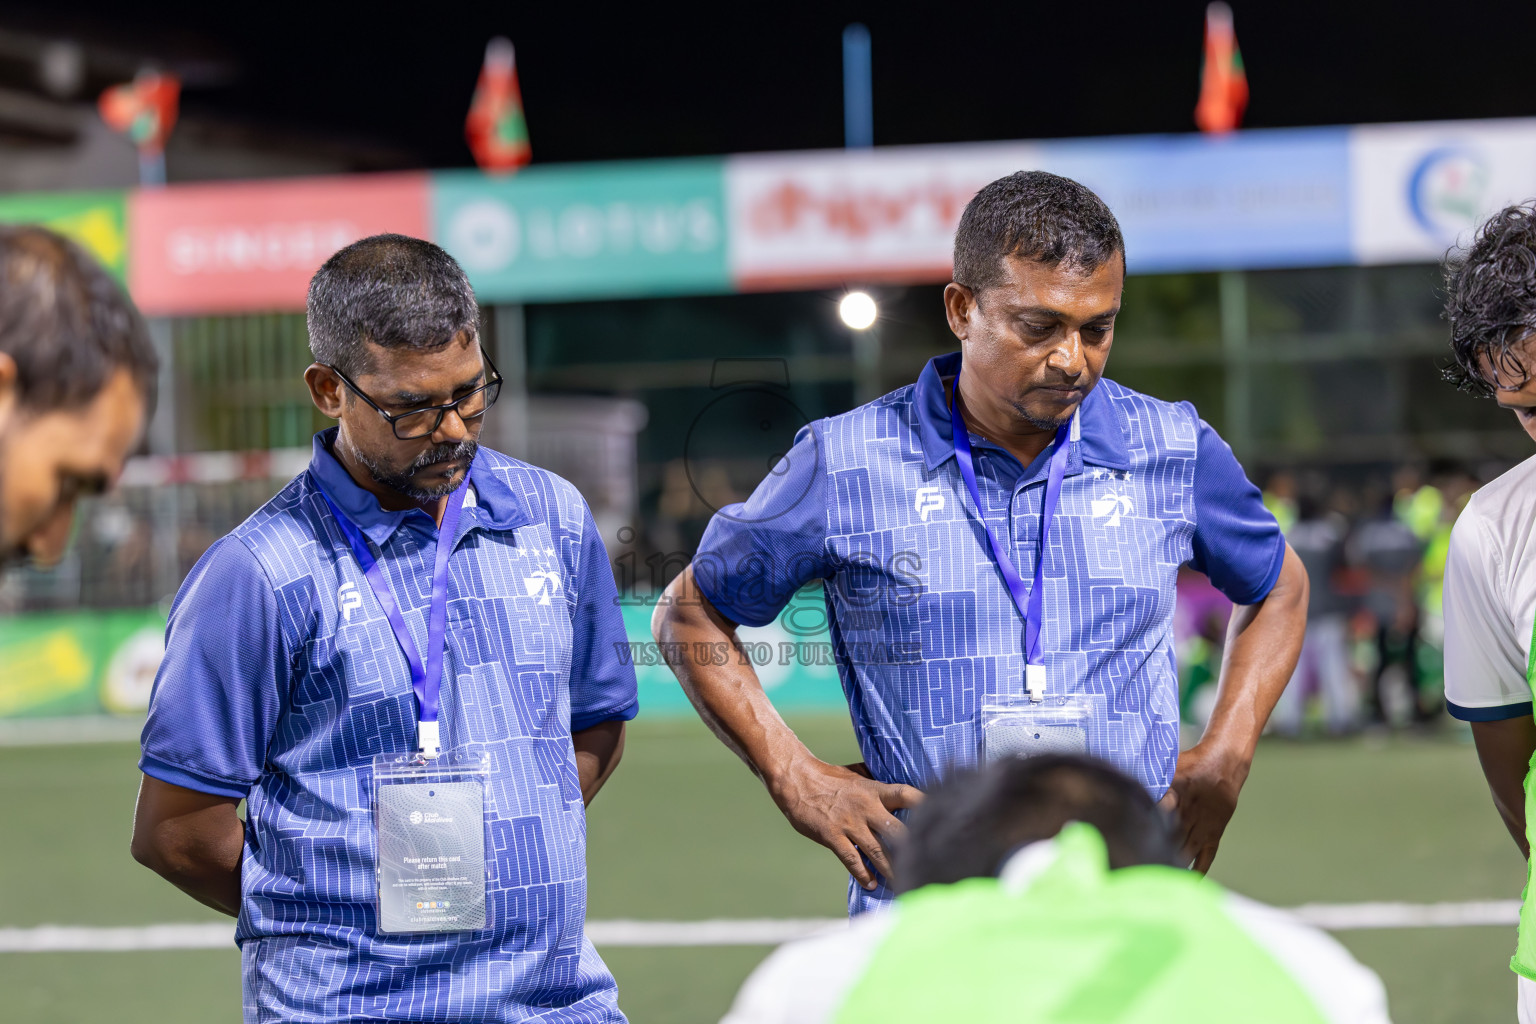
(928, 500)
(415, 817)
(348, 600)
(1447, 189)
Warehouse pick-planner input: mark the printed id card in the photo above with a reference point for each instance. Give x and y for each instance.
(1021, 727)
(430, 817)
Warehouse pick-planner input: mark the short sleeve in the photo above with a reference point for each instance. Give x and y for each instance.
(756, 554)
(219, 691)
(602, 682)
(1485, 677)
(1237, 542)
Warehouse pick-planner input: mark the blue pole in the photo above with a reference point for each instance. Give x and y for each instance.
(858, 93)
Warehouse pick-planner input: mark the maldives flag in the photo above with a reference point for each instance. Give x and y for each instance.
(1223, 83)
(144, 109)
(497, 133)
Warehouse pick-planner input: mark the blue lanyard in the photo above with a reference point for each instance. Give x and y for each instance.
(426, 679)
(1029, 604)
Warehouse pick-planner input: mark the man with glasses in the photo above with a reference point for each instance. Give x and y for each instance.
(415, 608)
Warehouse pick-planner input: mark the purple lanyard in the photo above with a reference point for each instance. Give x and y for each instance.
(1029, 605)
(425, 679)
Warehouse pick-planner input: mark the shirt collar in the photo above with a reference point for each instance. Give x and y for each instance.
(1104, 441)
(490, 503)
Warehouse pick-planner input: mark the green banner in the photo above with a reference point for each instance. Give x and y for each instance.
(93, 663)
(95, 220)
(625, 229)
(79, 663)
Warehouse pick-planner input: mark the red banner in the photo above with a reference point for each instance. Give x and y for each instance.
(239, 247)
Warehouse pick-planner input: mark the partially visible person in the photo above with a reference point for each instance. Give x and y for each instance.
(1490, 574)
(1014, 883)
(77, 387)
(1317, 537)
(1391, 554)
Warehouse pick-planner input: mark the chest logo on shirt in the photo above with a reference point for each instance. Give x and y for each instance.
(544, 583)
(348, 600)
(1113, 503)
(929, 500)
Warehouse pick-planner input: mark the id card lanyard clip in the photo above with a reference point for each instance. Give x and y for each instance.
(426, 676)
(1030, 604)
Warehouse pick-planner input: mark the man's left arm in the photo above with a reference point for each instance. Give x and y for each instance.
(1263, 643)
(603, 692)
(1238, 544)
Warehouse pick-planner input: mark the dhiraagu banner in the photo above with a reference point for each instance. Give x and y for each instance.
(656, 227)
(79, 663)
(93, 219)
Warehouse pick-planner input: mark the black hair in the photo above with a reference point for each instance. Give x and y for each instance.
(1490, 300)
(1036, 216)
(968, 826)
(68, 325)
(391, 290)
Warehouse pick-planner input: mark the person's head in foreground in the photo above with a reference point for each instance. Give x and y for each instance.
(1043, 889)
(77, 386)
(394, 329)
(1490, 304)
(1039, 266)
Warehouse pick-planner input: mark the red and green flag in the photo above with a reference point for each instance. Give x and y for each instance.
(144, 109)
(495, 128)
(1223, 83)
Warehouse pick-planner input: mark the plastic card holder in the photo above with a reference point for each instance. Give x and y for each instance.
(429, 815)
(1020, 727)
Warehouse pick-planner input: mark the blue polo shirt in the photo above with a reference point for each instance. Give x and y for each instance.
(923, 629)
(279, 685)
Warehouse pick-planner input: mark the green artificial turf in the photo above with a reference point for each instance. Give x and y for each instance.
(684, 832)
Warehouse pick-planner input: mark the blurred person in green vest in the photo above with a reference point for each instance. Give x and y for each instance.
(77, 387)
(1280, 498)
(1046, 890)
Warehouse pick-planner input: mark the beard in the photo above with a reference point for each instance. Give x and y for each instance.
(1044, 423)
(404, 480)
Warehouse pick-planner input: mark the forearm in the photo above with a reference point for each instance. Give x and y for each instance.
(598, 751)
(728, 697)
(1263, 643)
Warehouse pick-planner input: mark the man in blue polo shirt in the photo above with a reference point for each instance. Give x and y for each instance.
(410, 592)
(940, 598)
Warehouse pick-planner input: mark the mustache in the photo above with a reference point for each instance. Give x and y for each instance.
(465, 449)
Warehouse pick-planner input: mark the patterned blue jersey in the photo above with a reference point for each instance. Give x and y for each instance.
(872, 503)
(282, 680)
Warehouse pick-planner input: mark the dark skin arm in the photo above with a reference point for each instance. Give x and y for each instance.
(839, 806)
(598, 751)
(193, 840)
(1505, 750)
(1263, 643)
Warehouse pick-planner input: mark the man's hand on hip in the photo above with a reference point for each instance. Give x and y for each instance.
(1202, 797)
(845, 810)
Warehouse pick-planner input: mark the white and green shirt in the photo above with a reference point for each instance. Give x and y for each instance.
(1061, 937)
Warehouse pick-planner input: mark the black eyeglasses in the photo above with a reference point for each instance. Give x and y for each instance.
(408, 426)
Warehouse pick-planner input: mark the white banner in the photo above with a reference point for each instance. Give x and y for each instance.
(1416, 190)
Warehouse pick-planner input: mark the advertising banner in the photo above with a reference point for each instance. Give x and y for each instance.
(253, 246)
(1419, 189)
(1260, 199)
(79, 663)
(610, 230)
(95, 220)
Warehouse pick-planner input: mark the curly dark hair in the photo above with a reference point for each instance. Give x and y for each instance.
(1490, 300)
(1037, 216)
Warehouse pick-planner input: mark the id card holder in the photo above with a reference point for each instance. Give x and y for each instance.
(1022, 727)
(429, 816)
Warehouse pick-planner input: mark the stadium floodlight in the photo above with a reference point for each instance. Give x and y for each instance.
(858, 310)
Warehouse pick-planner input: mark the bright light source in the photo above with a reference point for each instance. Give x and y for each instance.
(858, 310)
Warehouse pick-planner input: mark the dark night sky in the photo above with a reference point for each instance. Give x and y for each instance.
(696, 79)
